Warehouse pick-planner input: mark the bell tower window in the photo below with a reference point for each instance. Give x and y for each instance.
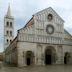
(10, 33)
(7, 24)
(7, 40)
(10, 24)
(10, 41)
(7, 32)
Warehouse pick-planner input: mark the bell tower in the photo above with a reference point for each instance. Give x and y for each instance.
(8, 28)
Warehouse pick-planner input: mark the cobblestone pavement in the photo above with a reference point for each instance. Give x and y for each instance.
(51, 68)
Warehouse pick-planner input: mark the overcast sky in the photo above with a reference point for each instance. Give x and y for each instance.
(22, 10)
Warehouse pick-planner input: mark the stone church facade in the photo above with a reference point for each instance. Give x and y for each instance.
(42, 41)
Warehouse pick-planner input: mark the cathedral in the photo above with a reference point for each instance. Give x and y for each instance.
(42, 41)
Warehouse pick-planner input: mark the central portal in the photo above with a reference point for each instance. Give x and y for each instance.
(48, 57)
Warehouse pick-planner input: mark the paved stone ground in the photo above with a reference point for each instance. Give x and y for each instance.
(51, 68)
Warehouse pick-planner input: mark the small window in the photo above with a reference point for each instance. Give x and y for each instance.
(7, 24)
(7, 40)
(10, 33)
(10, 24)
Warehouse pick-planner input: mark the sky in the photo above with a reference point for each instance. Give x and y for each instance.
(22, 10)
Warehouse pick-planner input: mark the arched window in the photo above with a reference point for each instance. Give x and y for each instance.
(10, 24)
(7, 24)
(10, 33)
(7, 32)
(7, 40)
(10, 41)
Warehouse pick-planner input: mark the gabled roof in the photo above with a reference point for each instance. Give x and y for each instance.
(29, 23)
(50, 8)
(67, 32)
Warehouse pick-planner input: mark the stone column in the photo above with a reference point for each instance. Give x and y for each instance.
(39, 55)
(24, 58)
(60, 58)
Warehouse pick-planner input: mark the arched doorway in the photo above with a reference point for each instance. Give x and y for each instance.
(66, 58)
(50, 57)
(29, 58)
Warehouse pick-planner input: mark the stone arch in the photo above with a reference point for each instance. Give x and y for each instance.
(29, 58)
(50, 55)
(66, 57)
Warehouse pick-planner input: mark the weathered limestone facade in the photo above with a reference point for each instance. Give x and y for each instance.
(42, 41)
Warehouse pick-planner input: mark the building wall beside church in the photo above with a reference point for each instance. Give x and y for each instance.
(11, 53)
